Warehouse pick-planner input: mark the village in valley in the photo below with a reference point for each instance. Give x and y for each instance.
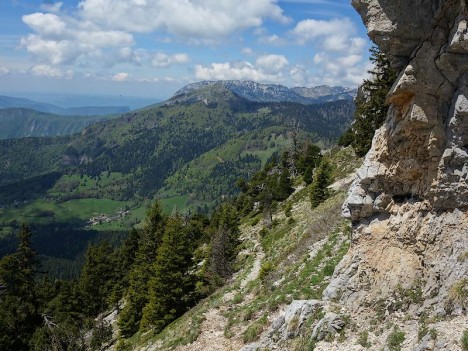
(104, 218)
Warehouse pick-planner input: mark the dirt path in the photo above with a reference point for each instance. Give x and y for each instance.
(212, 336)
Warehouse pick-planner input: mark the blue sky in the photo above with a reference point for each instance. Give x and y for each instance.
(151, 48)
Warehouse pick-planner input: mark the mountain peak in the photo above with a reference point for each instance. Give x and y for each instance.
(261, 92)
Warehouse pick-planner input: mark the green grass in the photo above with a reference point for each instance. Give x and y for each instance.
(287, 258)
(76, 198)
(255, 329)
(174, 202)
(44, 211)
(107, 184)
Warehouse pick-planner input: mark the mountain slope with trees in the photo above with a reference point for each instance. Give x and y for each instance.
(190, 155)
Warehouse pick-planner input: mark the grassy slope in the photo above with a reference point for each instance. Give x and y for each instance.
(293, 260)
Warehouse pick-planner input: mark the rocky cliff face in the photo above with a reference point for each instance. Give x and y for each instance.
(409, 202)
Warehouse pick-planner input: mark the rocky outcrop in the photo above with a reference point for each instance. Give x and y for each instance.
(410, 199)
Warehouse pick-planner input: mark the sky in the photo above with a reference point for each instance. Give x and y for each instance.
(151, 48)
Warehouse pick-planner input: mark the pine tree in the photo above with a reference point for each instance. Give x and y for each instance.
(309, 157)
(173, 283)
(347, 138)
(284, 187)
(142, 271)
(19, 303)
(224, 241)
(124, 259)
(371, 109)
(308, 175)
(322, 179)
(96, 279)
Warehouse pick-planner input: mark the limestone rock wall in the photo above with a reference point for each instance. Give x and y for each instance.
(409, 202)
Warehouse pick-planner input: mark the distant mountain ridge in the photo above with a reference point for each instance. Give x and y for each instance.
(260, 92)
(23, 122)
(14, 102)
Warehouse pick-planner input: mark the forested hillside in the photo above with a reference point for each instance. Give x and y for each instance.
(188, 154)
(151, 276)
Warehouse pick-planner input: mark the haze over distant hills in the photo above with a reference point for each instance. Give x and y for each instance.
(11, 102)
(19, 122)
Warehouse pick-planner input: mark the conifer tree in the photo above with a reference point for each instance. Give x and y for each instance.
(19, 303)
(371, 109)
(309, 157)
(142, 271)
(225, 240)
(173, 283)
(284, 188)
(322, 179)
(308, 175)
(123, 259)
(96, 278)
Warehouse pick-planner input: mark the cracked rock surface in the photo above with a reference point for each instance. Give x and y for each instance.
(409, 201)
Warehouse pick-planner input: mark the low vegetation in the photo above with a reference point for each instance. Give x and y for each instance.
(395, 339)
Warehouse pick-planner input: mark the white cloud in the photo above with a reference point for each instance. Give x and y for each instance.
(186, 18)
(46, 24)
(339, 55)
(242, 70)
(162, 60)
(247, 51)
(272, 40)
(49, 71)
(100, 32)
(272, 63)
(52, 7)
(331, 30)
(137, 57)
(63, 40)
(120, 77)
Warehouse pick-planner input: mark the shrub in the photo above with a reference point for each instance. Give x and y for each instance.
(363, 339)
(265, 269)
(238, 298)
(395, 339)
(287, 209)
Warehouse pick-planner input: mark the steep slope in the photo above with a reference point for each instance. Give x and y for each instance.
(283, 265)
(23, 122)
(412, 188)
